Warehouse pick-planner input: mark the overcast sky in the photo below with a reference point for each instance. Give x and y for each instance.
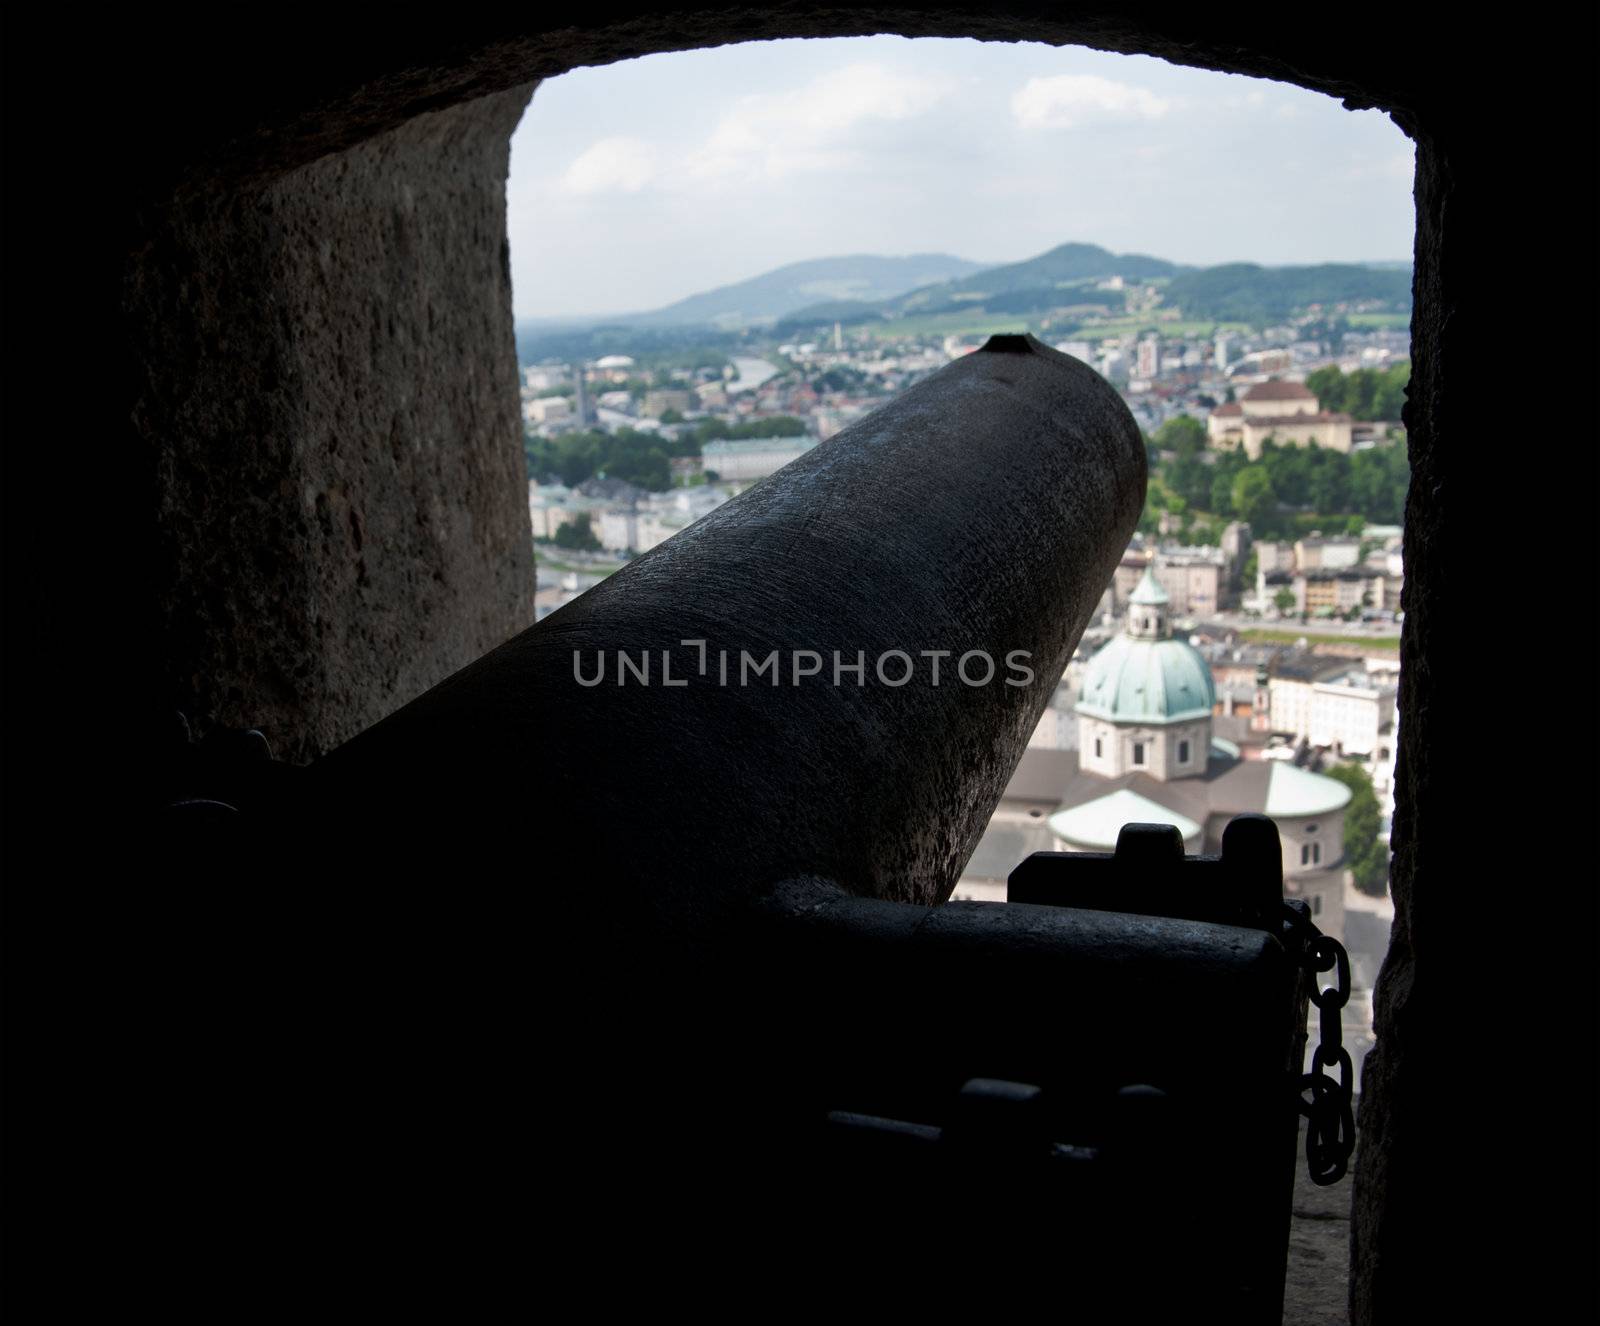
(639, 183)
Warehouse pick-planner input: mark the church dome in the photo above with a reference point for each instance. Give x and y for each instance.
(1145, 676)
(1147, 681)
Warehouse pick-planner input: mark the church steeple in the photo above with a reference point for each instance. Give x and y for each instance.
(1147, 609)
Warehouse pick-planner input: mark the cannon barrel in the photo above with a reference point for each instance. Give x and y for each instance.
(766, 704)
(645, 904)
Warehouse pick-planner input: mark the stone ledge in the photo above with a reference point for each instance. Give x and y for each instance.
(1317, 1285)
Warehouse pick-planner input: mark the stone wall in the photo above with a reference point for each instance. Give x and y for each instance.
(189, 175)
(329, 402)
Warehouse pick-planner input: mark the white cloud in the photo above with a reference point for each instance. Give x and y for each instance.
(623, 164)
(1070, 101)
(767, 136)
(806, 129)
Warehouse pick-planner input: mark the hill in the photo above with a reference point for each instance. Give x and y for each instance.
(1244, 292)
(764, 299)
(1062, 268)
(1067, 275)
(1068, 284)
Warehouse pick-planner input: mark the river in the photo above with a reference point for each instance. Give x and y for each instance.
(752, 373)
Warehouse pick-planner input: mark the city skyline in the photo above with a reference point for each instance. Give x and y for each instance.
(636, 184)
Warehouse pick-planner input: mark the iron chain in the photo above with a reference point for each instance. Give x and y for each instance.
(1330, 1112)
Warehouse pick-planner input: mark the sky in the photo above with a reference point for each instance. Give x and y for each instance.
(639, 183)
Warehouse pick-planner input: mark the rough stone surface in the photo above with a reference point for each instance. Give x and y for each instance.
(1318, 1274)
(329, 400)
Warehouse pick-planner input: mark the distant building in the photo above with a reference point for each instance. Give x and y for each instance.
(1272, 556)
(619, 529)
(1315, 553)
(1262, 363)
(1352, 713)
(614, 368)
(1332, 592)
(551, 506)
(658, 402)
(1056, 730)
(1287, 412)
(1149, 363)
(1194, 579)
(1290, 684)
(543, 377)
(1236, 545)
(669, 513)
(1147, 753)
(1221, 348)
(582, 406)
(754, 458)
(545, 410)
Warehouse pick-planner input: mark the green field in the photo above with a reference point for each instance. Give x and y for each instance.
(1096, 331)
(946, 324)
(549, 563)
(983, 324)
(1388, 644)
(1380, 319)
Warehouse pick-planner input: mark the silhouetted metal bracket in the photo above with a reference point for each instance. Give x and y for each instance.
(1149, 875)
(1173, 989)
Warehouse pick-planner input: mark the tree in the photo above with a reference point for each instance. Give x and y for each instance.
(1254, 502)
(1181, 434)
(577, 534)
(1190, 479)
(1367, 394)
(781, 425)
(1283, 601)
(1365, 854)
(1222, 495)
(1327, 385)
(1390, 398)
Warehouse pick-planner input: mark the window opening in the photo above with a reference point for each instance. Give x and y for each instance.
(690, 317)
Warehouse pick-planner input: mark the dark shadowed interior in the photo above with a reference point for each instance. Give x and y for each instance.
(263, 468)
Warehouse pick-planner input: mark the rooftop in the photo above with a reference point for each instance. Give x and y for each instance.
(746, 446)
(1147, 681)
(1230, 786)
(1302, 419)
(1095, 825)
(1276, 390)
(1149, 591)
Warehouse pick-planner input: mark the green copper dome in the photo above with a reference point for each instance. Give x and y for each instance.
(1147, 681)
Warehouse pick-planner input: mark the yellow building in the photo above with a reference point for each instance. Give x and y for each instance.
(1287, 412)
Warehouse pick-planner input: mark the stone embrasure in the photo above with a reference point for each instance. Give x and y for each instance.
(330, 405)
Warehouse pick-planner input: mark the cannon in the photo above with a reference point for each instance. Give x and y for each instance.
(651, 901)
